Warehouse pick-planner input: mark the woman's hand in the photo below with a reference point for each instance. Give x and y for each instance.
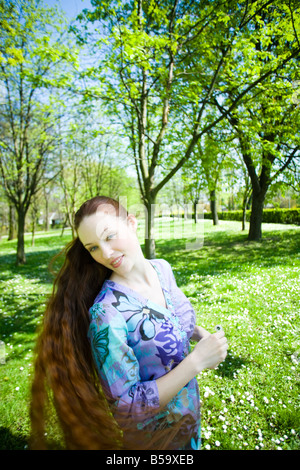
(199, 333)
(207, 354)
(210, 351)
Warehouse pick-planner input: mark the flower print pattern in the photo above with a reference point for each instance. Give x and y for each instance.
(195, 443)
(100, 296)
(170, 348)
(175, 405)
(96, 310)
(100, 344)
(147, 397)
(142, 317)
(131, 367)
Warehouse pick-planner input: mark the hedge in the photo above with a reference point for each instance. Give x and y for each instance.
(271, 216)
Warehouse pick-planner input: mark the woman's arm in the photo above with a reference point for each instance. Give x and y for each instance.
(208, 353)
(119, 369)
(117, 365)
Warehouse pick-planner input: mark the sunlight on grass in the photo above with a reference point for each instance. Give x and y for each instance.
(252, 289)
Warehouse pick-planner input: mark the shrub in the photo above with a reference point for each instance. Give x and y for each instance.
(270, 216)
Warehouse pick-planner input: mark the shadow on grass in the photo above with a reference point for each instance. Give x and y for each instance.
(230, 252)
(36, 266)
(231, 365)
(9, 441)
(20, 324)
(23, 307)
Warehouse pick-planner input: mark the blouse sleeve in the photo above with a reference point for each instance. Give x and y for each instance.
(117, 364)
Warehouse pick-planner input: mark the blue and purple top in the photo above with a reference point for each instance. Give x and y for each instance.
(134, 342)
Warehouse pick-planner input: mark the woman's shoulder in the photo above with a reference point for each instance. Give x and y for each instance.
(165, 269)
(161, 263)
(103, 304)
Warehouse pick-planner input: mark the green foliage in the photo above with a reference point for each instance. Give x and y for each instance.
(29, 113)
(173, 72)
(251, 401)
(168, 74)
(270, 216)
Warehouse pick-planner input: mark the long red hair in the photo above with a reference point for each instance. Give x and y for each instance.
(64, 366)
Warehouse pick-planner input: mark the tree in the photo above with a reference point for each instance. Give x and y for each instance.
(27, 111)
(269, 140)
(163, 60)
(267, 122)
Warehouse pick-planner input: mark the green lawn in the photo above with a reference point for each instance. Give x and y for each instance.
(252, 289)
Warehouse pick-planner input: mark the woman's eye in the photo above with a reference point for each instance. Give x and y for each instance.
(93, 249)
(111, 236)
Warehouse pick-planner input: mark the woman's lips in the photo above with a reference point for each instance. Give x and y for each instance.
(117, 262)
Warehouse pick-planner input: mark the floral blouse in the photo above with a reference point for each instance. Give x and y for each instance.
(134, 342)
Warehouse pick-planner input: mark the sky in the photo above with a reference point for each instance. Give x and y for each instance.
(71, 7)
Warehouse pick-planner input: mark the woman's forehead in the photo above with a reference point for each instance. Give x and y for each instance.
(103, 209)
(96, 224)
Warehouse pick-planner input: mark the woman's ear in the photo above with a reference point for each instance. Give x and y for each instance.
(132, 222)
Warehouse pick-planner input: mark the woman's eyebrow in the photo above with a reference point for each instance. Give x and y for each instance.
(105, 230)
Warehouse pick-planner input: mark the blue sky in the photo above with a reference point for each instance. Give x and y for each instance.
(71, 7)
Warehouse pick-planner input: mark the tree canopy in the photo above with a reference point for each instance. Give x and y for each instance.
(185, 84)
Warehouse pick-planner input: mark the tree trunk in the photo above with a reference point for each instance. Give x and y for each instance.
(46, 195)
(213, 206)
(244, 217)
(256, 216)
(21, 258)
(149, 230)
(246, 199)
(33, 231)
(195, 202)
(11, 222)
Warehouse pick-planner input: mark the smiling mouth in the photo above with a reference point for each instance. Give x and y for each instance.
(117, 262)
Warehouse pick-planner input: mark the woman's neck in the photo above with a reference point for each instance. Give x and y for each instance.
(140, 277)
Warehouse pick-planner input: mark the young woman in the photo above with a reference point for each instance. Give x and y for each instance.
(114, 348)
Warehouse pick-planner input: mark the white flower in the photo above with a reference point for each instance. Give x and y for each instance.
(17, 388)
(207, 447)
(208, 392)
(217, 443)
(266, 400)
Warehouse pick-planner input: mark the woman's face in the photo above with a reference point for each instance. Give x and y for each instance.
(111, 240)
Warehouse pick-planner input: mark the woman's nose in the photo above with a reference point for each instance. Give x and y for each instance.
(106, 251)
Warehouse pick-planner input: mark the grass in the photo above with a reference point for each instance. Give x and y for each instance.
(251, 401)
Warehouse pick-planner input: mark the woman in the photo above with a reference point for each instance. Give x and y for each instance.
(114, 348)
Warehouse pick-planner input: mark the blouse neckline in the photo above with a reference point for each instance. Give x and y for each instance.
(147, 302)
(169, 310)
